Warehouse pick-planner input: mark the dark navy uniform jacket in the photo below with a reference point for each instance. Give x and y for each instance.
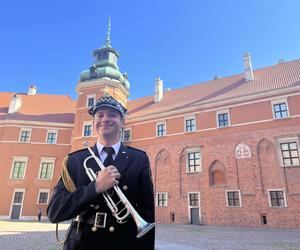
(135, 183)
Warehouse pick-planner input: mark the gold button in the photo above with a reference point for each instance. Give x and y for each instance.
(94, 229)
(125, 187)
(111, 229)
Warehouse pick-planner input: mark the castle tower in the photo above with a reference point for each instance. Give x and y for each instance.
(102, 77)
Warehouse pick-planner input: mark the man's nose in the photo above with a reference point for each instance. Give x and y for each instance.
(105, 117)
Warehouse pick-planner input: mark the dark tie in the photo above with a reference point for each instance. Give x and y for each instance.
(108, 160)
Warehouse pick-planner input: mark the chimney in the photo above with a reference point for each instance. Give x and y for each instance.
(15, 103)
(158, 90)
(32, 90)
(248, 67)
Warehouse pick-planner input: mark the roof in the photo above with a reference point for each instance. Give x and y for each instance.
(280, 76)
(39, 107)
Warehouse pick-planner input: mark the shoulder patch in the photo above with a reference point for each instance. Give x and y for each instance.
(136, 149)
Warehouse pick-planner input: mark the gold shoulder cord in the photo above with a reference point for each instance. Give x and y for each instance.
(70, 186)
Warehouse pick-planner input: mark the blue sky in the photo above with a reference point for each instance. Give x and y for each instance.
(48, 43)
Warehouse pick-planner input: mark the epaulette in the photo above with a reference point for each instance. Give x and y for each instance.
(77, 151)
(136, 149)
(66, 178)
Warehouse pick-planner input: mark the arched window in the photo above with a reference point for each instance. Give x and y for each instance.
(218, 177)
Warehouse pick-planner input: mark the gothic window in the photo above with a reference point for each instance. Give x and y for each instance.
(162, 158)
(218, 177)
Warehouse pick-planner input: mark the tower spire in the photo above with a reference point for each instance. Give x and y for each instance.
(107, 43)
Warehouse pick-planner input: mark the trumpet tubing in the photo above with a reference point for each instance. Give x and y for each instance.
(143, 226)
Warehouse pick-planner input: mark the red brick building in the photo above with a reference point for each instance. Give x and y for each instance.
(223, 152)
(35, 134)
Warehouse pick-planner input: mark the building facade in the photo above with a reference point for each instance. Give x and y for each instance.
(223, 152)
(35, 134)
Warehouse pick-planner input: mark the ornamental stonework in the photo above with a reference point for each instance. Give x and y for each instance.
(242, 150)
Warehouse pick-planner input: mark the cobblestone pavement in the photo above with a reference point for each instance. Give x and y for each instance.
(41, 236)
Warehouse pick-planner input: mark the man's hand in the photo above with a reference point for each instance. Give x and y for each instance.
(107, 178)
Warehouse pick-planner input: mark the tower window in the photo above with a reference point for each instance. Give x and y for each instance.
(103, 56)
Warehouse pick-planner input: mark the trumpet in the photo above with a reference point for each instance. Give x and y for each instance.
(143, 226)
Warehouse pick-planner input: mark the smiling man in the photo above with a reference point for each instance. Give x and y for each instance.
(76, 196)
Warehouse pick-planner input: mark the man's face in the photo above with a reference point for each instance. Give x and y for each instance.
(108, 122)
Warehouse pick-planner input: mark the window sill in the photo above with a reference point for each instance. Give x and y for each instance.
(224, 126)
(279, 119)
(290, 166)
(196, 172)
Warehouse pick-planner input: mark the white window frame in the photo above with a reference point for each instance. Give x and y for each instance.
(191, 117)
(30, 132)
(189, 201)
(38, 197)
(52, 131)
(127, 129)
(86, 123)
(269, 197)
(161, 123)
(193, 150)
(156, 198)
(278, 102)
(87, 100)
(15, 159)
(233, 190)
(46, 160)
(287, 140)
(223, 111)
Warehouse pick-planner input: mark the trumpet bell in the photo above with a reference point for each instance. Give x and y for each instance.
(145, 229)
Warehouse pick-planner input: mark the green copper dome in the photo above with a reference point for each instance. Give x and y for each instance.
(105, 65)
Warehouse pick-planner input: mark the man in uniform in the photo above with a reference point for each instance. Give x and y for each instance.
(76, 196)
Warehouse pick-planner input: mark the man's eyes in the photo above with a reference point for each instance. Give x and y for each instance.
(110, 115)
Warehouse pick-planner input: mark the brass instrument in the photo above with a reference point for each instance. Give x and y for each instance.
(143, 227)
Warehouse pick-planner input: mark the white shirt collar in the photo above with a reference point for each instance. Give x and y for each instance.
(103, 154)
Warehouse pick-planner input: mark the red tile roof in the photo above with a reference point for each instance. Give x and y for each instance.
(279, 76)
(39, 107)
